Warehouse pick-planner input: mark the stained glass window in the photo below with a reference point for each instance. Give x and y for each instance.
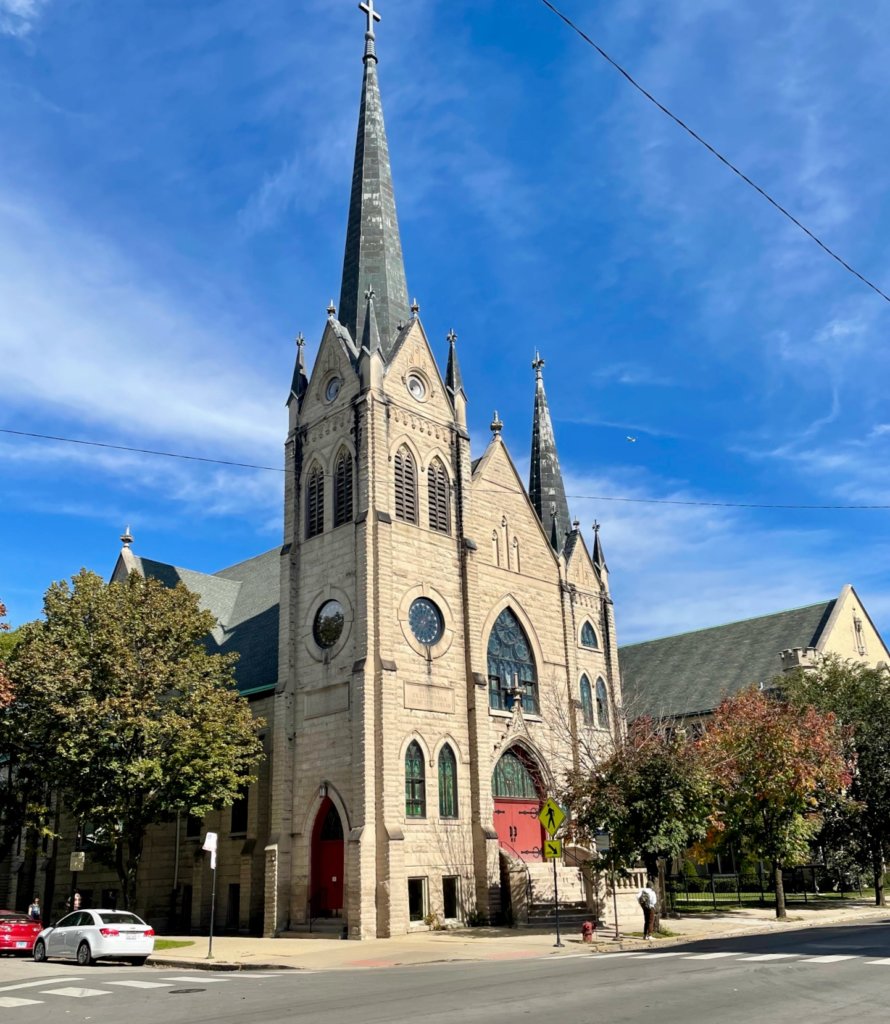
(510, 665)
(512, 779)
(447, 783)
(586, 701)
(415, 782)
(602, 705)
(588, 636)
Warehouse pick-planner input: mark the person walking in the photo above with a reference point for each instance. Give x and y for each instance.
(34, 911)
(648, 900)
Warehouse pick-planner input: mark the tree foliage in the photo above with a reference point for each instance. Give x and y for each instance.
(773, 765)
(119, 707)
(5, 684)
(859, 696)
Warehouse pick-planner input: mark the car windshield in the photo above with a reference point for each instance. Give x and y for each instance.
(120, 918)
(14, 919)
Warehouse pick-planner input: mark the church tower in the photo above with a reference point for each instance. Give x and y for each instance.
(434, 617)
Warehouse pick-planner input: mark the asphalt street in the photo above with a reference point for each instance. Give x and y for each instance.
(814, 975)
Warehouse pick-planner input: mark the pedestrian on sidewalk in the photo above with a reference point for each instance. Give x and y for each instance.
(648, 901)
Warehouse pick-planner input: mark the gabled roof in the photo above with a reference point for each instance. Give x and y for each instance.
(692, 672)
(244, 599)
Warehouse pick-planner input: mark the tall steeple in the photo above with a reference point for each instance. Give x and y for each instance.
(373, 257)
(545, 486)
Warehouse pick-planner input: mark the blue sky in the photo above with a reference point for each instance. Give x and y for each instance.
(174, 181)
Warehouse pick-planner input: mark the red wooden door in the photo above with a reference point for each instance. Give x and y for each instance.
(327, 862)
(518, 828)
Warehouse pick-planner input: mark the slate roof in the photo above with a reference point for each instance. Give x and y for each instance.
(545, 486)
(244, 599)
(691, 673)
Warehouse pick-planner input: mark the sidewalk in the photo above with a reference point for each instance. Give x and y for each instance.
(231, 953)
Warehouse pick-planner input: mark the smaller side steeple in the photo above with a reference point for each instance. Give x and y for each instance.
(300, 381)
(370, 358)
(545, 487)
(599, 559)
(454, 383)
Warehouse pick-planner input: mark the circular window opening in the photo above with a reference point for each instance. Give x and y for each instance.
(426, 621)
(416, 387)
(333, 388)
(328, 625)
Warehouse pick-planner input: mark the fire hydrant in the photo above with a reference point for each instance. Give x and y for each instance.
(587, 930)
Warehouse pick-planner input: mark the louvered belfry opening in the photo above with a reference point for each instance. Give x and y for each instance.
(437, 480)
(315, 503)
(343, 489)
(406, 485)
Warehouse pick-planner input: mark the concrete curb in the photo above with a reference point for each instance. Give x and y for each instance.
(217, 965)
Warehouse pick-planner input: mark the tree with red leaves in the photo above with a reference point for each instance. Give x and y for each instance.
(773, 767)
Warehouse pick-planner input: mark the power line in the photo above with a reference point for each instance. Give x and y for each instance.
(728, 163)
(580, 497)
(140, 451)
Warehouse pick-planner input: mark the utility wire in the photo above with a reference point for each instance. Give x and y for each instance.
(728, 163)
(582, 497)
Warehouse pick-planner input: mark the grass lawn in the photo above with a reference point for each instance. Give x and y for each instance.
(161, 944)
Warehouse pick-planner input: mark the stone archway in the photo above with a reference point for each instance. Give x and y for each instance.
(517, 791)
(326, 890)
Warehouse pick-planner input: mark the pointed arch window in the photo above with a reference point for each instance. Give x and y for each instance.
(602, 705)
(511, 667)
(513, 779)
(315, 502)
(439, 497)
(588, 637)
(406, 485)
(415, 782)
(586, 701)
(343, 489)
(447, 783)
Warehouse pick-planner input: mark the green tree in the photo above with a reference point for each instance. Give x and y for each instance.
(860, 698)
(650, 794)
(5, 684)
(773, 766)
(119, 707)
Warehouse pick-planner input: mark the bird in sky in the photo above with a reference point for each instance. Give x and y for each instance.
(632, 440)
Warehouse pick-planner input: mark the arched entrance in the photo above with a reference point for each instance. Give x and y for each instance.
(326, 894)
(516, 789)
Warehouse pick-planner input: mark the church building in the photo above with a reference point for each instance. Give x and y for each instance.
(426, 647)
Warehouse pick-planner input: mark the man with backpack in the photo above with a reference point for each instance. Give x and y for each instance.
(648, 901)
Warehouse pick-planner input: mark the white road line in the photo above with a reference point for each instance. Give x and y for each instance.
(614, 956)
(37, 984)
(658, 956)
(883, 962)
(826, 959)
(76, 993)
(140, 984)
(204, 979)
(11, 1002)
(769, 956)
(709, 956)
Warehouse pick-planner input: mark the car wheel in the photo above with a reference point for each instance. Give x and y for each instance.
(39, 952)
(84, 955)
(138, 961)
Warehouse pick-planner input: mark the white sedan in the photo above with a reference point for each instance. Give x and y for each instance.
(91, 935)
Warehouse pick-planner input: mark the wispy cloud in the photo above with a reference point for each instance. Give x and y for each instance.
(19, 17)
(633, 374)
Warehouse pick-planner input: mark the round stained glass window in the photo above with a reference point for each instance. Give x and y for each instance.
(425, 621)
(333, 388)
(416, 387)
(328, 625)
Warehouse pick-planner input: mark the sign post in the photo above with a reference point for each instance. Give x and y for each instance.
(210, 846)
(604, 845)
(76, 863)
(551, 817)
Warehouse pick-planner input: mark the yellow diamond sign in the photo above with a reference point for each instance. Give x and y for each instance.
(552, 849)
(551, 816)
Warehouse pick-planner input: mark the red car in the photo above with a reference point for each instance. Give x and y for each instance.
(17, 932)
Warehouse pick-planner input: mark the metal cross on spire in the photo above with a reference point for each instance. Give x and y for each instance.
(538, 365)
(368, 7)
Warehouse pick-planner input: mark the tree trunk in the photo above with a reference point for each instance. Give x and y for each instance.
(877, 866)
(779, 889)
(128, 867)
(655, 873)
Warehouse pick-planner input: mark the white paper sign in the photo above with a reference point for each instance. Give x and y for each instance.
(210, 846)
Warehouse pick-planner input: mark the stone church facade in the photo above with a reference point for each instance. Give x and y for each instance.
(426, 647)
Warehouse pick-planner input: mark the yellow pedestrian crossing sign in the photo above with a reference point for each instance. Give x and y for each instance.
(551, 816)
(552, 849)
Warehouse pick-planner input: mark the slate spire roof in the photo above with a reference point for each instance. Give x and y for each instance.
(453, 380)
(545, 486)
(300, 381)
(373, 257)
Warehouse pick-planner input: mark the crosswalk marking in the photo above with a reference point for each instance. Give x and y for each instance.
(884, 961)
(710, 956)
(769, 956)
(36, 984)
(203, 978)
(140, 984)
(10, 1002)
(658, 956)
(826, 959)
(76, 993)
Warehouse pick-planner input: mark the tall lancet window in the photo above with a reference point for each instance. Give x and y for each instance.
(406, 485)
(315, 502)
(602, 705)
(586, 701)
(447, 783)
(439, 497)
(343, 489)
(511, 668)
(415, 782)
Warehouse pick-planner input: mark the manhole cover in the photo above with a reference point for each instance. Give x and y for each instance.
(184, 991)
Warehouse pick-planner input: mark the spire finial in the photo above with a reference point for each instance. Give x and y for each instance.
(415, 309)
(369, 293)
(301, 341)
(596, 526)
(126, 538)
(368, 7)
(451, 337)
(332, 309)
(497, 424)
(538, 365)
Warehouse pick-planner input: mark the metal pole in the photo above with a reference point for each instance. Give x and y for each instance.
(212, 913)
(559, 941)
(615, 905)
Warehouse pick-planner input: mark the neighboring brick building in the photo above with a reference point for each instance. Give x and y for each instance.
(425, 648)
